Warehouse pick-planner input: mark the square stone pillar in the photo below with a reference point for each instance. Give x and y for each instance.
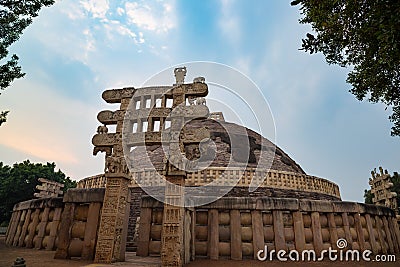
(172, 243)
(111, 241)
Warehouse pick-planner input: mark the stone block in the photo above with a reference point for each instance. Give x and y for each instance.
(265, 203)
(149, 202)
(346, 207)
(315, 205)
(201, 248)
(75, 247)
(80, 195)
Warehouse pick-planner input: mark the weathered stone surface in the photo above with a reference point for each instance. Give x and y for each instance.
(258, 232)
(112, 236)
(381, 189)
(315, 205)
(144, 232)
(84, 195)
(64, 234)
(267, 188)
(115, 95)
(213, 237)
(236, 238)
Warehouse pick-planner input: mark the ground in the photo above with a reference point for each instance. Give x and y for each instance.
(42, 258)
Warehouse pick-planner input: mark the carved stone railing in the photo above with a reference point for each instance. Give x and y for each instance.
(242, 226)
(96, 181)
(219, 175)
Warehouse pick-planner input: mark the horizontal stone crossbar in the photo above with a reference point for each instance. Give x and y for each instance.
(289, 204)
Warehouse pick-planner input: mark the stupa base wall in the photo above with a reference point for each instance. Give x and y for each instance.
(229, 228)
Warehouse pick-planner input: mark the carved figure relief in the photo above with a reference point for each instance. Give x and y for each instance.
(116, 165)
(191, 100)
(174, 136)
(102, 129)
(200, 101)
(180, 74)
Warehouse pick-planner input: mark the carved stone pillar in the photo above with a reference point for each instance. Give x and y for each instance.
(172, 245)
(112, 233)
(111, 241)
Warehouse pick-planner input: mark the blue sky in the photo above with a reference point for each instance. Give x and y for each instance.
(76, 49)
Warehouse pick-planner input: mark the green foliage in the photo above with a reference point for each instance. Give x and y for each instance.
(18, 183)
(15, 16)
(3, 116)
(395, 179)
(364, 35)
(368, 196)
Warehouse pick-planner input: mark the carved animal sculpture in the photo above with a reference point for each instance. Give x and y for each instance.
(191, 100)
(199, 80)
(200, 101)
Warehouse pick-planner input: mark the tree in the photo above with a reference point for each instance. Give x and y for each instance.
(18, 183)
(368, 196)
(395, 179)
(15, 16)
(364, 35)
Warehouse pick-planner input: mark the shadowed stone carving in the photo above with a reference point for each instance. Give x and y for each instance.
(381, 188)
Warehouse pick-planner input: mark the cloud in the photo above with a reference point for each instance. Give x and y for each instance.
(120, 11)
(114, 29)
(92, 26)
(229, 21)
(72, 9)
(90, 44)
(45, 125)
(97, 8)
(151, 16)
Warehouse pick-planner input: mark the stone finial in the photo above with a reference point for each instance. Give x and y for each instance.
(180, 74)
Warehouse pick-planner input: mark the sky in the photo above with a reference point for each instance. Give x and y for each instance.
(74, 50)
